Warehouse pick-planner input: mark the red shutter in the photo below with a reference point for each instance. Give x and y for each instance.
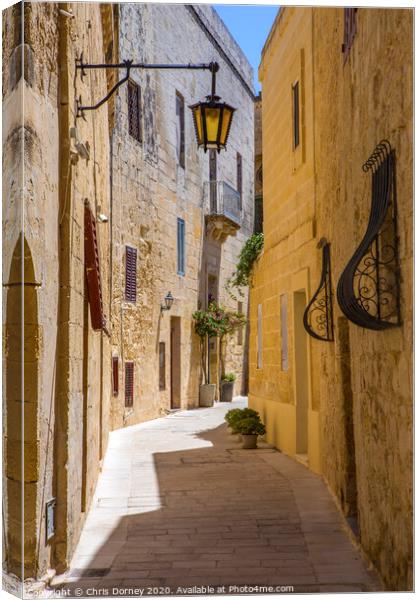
(129, 383)
(130, 274)
(93, 272)
(115, 375)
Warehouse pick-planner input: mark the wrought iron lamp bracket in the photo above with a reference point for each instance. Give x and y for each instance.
(82, 67)
(368, 291)
(318, 315)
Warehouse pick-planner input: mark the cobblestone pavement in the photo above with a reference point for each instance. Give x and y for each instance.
(179, 504)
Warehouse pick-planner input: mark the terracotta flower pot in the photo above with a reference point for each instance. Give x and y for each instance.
(207, 394)
(249, 441)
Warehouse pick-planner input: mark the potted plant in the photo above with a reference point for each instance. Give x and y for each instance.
(227, 323)
(250, 428)
(206, 326)
(232, 416)
(228, 381)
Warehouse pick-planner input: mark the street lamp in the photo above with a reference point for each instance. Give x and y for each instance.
(212, 118)
(169, 300)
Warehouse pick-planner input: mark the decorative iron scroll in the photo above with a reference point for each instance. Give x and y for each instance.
(368, 290)
(318, 315)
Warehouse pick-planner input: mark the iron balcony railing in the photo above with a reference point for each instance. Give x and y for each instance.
(220, 198)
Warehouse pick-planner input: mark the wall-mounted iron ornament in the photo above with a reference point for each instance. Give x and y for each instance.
(318, 315)
(368, 291)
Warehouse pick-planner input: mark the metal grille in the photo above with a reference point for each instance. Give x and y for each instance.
(129, 383)
(239, 175)
(130, 274)
(134, 110)
(180, 116)
(318, 316)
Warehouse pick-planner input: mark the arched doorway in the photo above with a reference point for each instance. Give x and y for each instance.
(20, 437)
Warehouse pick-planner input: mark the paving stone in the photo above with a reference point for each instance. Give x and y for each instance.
(187, 513)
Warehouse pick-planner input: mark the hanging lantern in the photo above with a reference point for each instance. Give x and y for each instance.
(212, 118)
(212, 121)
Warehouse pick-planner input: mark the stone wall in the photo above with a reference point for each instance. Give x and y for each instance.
(359, 417)
(150, 191)
(65, 398)
(367, 407)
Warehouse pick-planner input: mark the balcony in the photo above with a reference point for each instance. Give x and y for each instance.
(222, 205)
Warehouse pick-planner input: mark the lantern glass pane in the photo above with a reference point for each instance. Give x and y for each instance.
(212, 122)
(227, 116)
(198, 124)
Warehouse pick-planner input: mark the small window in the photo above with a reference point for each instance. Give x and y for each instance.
(259, 337)
(115, 375)
(239, 175)
(240, 340)
(180, 130)
(349, 30)
(129, 383)
(134, 110)
(162, 366)
(283, 330)
(181, 247)
(130, 274)
(296, 123)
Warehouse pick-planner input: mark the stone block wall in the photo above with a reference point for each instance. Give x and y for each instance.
(150, 191)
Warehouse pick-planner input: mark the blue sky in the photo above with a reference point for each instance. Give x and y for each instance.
(250, 26)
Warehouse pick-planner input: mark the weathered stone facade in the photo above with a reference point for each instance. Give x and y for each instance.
(355, 393)
(53, 164)
(151, 190)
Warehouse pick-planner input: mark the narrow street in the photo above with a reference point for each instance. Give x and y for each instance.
(179, 503)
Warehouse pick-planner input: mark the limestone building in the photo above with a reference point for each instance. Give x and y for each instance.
(179, 216)
(56, 266)
(331, 307)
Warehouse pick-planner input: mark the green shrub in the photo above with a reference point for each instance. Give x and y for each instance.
(229, 377)
(250, 426)
(235, 415)
(232, 415)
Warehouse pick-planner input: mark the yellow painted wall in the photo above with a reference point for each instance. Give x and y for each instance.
(289, 263)
(360, 386)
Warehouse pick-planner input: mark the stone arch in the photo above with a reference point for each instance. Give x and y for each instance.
(21, 406)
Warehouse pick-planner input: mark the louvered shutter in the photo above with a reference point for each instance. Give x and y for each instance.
(129, 383)
(115, 375)
(130, 274)
(93, 273)
(134, 110)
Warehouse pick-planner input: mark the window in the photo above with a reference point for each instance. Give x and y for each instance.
(93, 272)
(134, 110)
(129, 383)
(259, 337)
(180, 130)
(213, 180)
(115, 375)
(239, 175)
(296, 123)
(162, 366)
(240, 340)
(349, 30)
(283, 330)
(181, 247)
(130, 274)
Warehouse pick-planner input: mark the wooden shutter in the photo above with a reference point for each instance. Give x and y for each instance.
(239, 175)
(180, 115)
(129, 383)
(134, 110)
(296, 125)
(162, 366)
(130, 274)
(349, 30)
(93, 273)
(115, 375)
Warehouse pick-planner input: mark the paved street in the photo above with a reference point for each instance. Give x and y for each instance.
(179, 503)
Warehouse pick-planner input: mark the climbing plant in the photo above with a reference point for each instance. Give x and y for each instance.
(242, 277)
